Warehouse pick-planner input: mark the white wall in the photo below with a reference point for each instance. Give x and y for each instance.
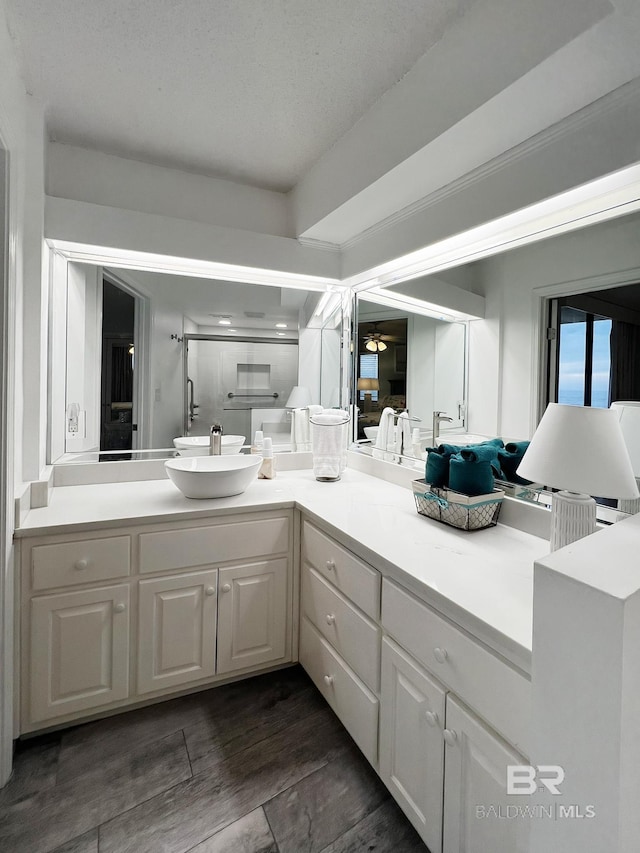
(505, 346)
(21, 127)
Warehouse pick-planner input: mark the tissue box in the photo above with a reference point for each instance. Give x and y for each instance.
(455, 509)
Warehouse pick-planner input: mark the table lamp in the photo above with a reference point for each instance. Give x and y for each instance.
(299, 398)
(628, 412)
(581, 451)
(367, 385)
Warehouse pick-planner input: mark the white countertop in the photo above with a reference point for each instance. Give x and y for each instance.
(482, 580)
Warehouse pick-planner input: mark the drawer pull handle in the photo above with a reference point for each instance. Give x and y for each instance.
(331, 565)
(81, 564)
(209, 590)
(226, 587)
(450, 737)
(120, 607)
(431, 718)
(328, 680)
(440, 654)
(330, 619)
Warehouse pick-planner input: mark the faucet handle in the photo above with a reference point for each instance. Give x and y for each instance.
(216, 428)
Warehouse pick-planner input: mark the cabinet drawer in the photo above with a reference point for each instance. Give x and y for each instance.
(496, 691)
(203, 546)
(83, 561)
(350, 699)
(352, 633)
(350, 575)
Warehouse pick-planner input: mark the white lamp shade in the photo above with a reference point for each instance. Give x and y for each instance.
(299, 397)
(628, 412)
(580, 449)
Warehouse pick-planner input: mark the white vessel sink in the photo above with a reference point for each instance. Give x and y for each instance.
(213, 476)
(198, 445)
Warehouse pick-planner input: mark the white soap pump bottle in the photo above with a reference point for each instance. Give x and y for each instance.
(268, 467)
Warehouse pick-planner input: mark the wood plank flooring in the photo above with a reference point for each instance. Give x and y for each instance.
(259, 766)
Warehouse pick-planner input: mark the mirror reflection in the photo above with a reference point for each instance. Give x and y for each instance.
(408, 361)
(152, 357)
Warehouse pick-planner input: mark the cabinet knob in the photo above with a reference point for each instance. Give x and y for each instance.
(226, 587)
(431, 717)
(120, 607)
(450, 737)
(328, 680)
(330, 619)
(331, 565)
(81, 564)
(440, 654)
(209, 591)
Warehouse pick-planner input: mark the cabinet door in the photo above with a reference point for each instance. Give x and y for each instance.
(177, 632)
(79, 651)
(412, 708)
(476, 818)
(252, 614)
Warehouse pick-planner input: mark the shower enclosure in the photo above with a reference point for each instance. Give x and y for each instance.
(241, 383)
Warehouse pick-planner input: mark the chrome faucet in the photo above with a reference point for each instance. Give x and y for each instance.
(438, 418)
(215, 440)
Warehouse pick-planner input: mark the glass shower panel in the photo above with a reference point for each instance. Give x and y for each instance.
(234, 379)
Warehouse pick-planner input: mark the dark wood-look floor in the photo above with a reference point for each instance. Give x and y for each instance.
(259, 766)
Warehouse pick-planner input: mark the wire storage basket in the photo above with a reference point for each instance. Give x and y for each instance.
(455, 509)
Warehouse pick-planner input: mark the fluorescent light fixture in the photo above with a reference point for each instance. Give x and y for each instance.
(281, 334)
(153, 262)
(281, 325)
(607, 197)
(322, 303)
(409, 303)
(224, 322)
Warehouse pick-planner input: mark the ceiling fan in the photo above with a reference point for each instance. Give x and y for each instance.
(374, 341)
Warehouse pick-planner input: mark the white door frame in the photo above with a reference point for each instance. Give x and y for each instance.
(7, 382)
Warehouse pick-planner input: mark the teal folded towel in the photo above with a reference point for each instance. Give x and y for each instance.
(437, 471)
(437, 467)
(510, 457)
(472, 472)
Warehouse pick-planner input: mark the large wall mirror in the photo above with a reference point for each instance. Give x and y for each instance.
(141, 358)
(408, 361)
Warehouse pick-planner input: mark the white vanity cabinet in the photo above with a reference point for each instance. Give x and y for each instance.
(445, 767)
(340, 633)
(80, 651)
(252, 614)
(108, 619)
(176, 630)
(412, 717)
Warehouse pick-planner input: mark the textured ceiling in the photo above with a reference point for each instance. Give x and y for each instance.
(250, 90)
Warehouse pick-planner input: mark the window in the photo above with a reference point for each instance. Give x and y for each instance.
(584, 358)
(369, 370)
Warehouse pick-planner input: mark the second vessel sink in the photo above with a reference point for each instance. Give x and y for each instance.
(198, 445)
(213, 476)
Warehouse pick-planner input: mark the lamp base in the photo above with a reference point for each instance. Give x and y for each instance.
(573, 516)
(632, 505)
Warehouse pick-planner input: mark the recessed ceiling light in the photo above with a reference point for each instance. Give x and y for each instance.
(224, 322)
(281, 325)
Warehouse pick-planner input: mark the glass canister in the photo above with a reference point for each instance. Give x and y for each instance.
(329, 439)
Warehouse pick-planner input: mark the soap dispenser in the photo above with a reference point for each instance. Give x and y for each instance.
(268, 467)
(258, 442)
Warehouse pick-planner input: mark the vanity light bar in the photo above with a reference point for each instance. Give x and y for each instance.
(604, 198)
(147, 262)
(416, 306)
